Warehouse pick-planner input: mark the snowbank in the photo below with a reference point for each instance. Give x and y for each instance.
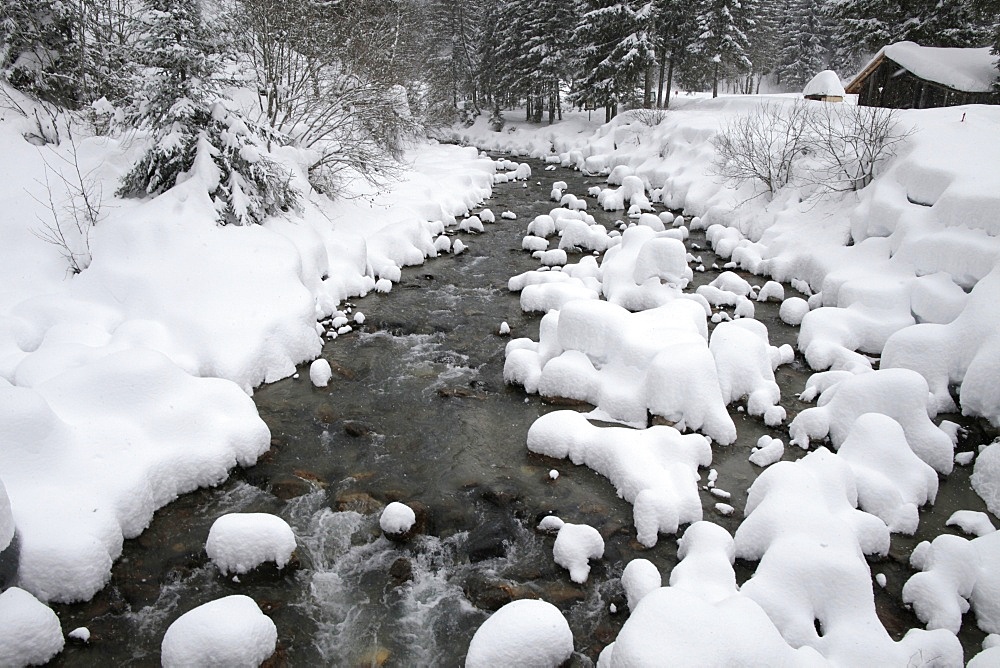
(29, 631)
(126, 385)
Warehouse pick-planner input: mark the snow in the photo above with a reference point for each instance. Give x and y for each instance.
(397, 518)
(522, 633)
(768, 451)
(29, 631)
(6, 519)
(972, 522)
(81, 633)
(986, 477)
(230, 631)
(826, 84)
(653, 469)
(146, 359)
(965, 69)
(639, 578)
(320, 372)
(240, 542)
(575, 546)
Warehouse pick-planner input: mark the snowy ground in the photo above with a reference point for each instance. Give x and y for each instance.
(128, 384)
(903, 279)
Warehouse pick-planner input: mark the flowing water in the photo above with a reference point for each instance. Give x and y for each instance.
(418, 412)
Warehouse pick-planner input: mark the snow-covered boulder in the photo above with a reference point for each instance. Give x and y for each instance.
(230, 631)
(575, 546)
(640, 577)
(826, 84)
(29, 631)
(522, 633)
(240, 542)
(320, 372)
(396, 520)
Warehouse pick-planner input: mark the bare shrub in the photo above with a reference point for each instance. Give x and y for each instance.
(650, 117)
(850, 143)
(68, 226)
(762, 146)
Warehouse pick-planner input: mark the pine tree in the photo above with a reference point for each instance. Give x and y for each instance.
(723, 39)
(614, 47)
(803, 33)
(676, 30)
(194, 133)
(37, 46)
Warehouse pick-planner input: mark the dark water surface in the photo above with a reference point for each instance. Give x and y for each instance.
(418, 412)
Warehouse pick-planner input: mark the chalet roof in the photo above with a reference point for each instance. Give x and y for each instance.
(826, 84)
(971, 70)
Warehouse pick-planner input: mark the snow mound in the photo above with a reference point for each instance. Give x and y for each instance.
(522, 633)
(320, 372)
(240, 542)
(656, 469)
(230, 631)
(898, 393)
(29, 631)
(397, 518)
(640, 577)
(986, 477)
(826, 83)
(575, 546)
(955, 574)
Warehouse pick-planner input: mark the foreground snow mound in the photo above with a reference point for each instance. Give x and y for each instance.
(956, 573)
(656, 469)
(898, 393)
(90, 455)
(647, 269)
(230, 632)
(812, 580)
(240, 542)
(639, 578)
(627, 364)
(30, 634)
(522, 633)
(706, 552)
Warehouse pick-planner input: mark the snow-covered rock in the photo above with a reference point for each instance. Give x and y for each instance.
(240, 542)
(30, 634)
(397, 519)
(320, 372)
(230, 631)
(522, 633)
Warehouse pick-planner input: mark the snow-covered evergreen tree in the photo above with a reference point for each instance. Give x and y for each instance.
(803, 35)
(614, 46)
(194, 134)
(723, 41)
(676, 30)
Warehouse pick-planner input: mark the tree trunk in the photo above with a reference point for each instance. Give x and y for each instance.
(715, 80)
(659, 86)
(647, 88)
(670, 81)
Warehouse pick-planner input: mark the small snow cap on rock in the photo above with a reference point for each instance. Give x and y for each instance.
(397, 520)
(230, 631)
(29, 631)
(575, 546)
(320, 372)
(522, 633)
(504, 328)
(240, 542)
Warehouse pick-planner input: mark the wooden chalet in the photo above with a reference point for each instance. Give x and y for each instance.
(908, 76)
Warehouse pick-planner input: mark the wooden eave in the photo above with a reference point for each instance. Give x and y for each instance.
(854, 88)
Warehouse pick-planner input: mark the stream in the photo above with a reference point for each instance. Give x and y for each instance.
(418, 412)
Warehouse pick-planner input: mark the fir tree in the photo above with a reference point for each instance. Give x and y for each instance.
(723, 39)
(803, 33)
(194, 133)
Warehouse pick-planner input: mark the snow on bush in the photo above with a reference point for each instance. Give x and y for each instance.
(30, 634)
(230, 631)
(898, 393)
(522, 633)
(656, 469)
(240, 542)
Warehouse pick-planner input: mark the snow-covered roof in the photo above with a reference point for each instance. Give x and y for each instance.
(970, 70)
(826, 83)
